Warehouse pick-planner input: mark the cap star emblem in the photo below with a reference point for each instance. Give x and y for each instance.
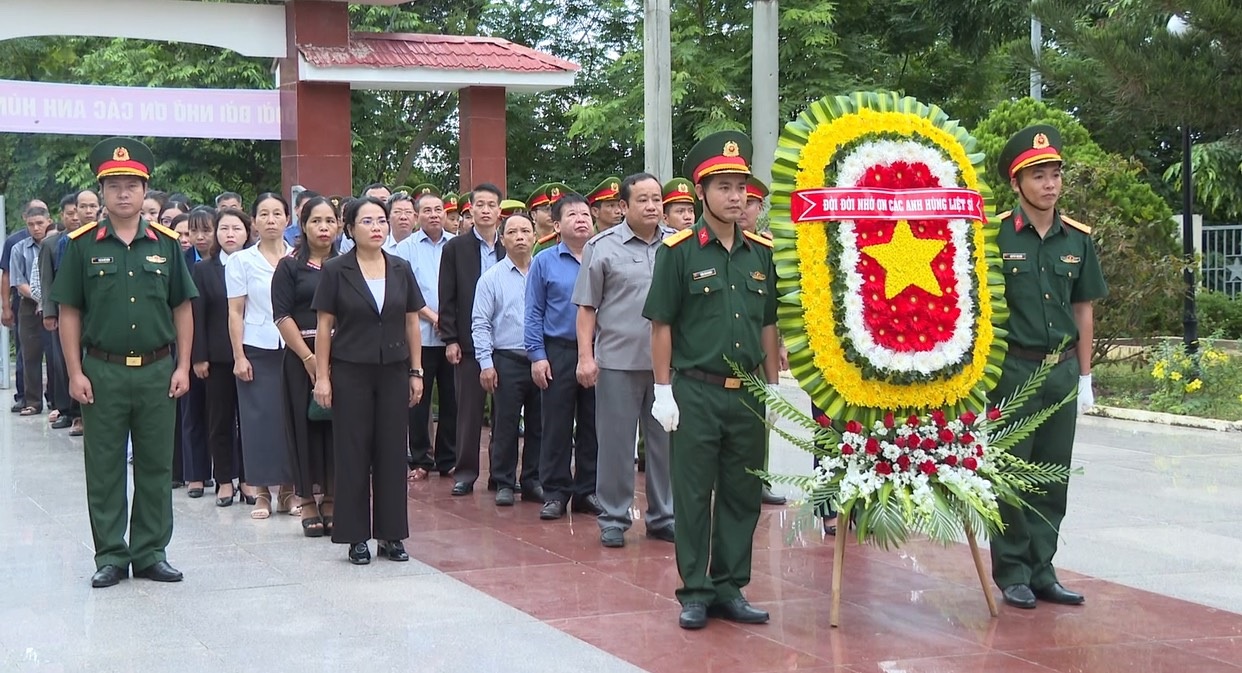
(613, 186)
(120, 154)
(1041, 141)
(556, 191)
(731, 149)
(683, 188)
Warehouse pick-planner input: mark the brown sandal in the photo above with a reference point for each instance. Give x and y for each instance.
(262, 505)
(284, 502)
(30, 411)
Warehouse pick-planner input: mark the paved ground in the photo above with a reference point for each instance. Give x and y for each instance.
(497, 590)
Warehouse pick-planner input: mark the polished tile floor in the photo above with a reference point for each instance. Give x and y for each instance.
(1152, 539)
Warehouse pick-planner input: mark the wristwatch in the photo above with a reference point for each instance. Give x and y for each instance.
(415, 371)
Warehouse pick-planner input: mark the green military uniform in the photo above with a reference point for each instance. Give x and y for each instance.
(1044, 278)
(717, 303)
(678, 190)
(551, 193)
(126, 293)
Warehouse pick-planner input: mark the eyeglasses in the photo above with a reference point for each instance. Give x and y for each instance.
(372, 221)
(166, 221)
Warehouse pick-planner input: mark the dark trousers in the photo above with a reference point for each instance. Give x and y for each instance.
(223, 434)
(515, 392)
(566, 405)
(61, 400)
(31, 334)
(470, 398)
(437, 374)
(369, 415)
(195, 456)
(15, 333)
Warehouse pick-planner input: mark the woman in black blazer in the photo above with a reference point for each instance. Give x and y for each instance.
(213, 354)
(369, 373)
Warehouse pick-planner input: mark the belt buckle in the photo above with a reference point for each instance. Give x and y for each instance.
(1052, 358)
(133, 361)
(732, 384)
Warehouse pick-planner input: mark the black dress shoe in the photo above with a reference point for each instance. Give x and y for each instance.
(770, 498)
(533, 493)
(738, 610)
(393, 550)
(62, 423)
(178, 484)
(108, 576)
(463, 488)
(195, 493)
(693, 616)
(612, 537)
(504, 497)
(552, 509)
(359, 554)
(159, 571)
(1019, 596)
(588, 505)
(1055, 593)
(664, 533)
(209, 483)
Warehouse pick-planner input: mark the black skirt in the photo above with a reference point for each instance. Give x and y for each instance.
(310, 442)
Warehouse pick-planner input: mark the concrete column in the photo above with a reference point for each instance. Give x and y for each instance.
(765, 115)
(315, 149)
(483, 138)
(657, 90)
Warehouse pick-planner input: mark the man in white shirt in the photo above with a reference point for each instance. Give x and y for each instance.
(423, 250)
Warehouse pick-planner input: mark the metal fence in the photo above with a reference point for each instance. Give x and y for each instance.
(1222, 258)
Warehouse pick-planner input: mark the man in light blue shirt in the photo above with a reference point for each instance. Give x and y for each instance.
(423, 250)
(497, 325)
(29, 312)
(551, 339)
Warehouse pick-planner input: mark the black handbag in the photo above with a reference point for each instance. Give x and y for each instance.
(315, 412)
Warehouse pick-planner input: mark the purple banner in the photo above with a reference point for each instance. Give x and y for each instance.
(34, 107)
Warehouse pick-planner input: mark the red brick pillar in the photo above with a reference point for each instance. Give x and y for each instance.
(482, 144)
(315, 147)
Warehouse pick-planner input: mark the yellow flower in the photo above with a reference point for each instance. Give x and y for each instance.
(1194, 386)
(1158, 370)
(1175, 376)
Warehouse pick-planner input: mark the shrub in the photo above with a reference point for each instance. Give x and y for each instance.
(1219, 314)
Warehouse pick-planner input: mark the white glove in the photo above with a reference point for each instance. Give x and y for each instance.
(1086, 396)
(774, 391)
(664, 409)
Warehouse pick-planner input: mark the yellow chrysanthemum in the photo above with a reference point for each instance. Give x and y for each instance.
(1194, 386)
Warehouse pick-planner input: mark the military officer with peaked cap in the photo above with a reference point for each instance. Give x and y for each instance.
(553, 192)
(124, 293)
(539, 205)
(605, 203)
(679, 203)
(1052, 275)
(451, 216)
(712, 298)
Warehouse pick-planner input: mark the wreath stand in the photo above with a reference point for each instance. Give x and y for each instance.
(838, 565)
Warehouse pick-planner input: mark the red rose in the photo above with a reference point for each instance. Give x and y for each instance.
(946, 435)
(950, 460)
(928, 468)
(970, 464)
(854, 427)
(979, 450)
(888, 420)
(967, 438)
(928, 444)
(824, 421)
(847, 449)
(900, 441)
(938, 417)
(903, 462)
(883, 468)
(873, 445)
(994, 414)
(968, 418)
(913, 421)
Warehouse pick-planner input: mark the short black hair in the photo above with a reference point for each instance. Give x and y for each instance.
(631, 180)
(303, 196)
(68, 200)
(178, 197)
(351, 212)
(486, 187)
(566, 200)
(375, 185)
(224, 196)
(266, 196)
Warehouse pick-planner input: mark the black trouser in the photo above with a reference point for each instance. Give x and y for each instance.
(564, 403)
(470, 397)
(437, 374)
(30, 331)
(61, 399)
(369, 415)
(15, 300)
(515, 391)
(223, 433)
(196, 457)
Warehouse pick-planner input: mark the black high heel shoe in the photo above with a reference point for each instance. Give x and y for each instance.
(359, 554)
(225, 502)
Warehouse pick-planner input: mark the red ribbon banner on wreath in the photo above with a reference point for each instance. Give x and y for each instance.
(827, 204)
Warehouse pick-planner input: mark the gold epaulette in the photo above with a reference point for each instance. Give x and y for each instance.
(171, 233)
(82, 230)
(1077, 225)
(757, 239)
(1001, 216)
(547, 238)
(678, 237)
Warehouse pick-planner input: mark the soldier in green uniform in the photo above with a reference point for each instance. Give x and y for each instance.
(451, 217)
(540, 208)
(712, 297)
(1052, 275)
(553, 192)
(678, 203)
(124, 293)
(605, 203)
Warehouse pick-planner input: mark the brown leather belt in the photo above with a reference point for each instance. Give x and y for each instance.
(1040, 356)
(727, 382)
(131, 360)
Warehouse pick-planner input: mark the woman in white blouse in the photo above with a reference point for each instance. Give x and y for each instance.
(257, 354)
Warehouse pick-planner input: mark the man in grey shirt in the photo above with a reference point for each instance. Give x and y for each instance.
(611, 290)
(29, 313)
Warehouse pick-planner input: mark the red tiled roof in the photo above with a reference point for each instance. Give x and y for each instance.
(438, 52)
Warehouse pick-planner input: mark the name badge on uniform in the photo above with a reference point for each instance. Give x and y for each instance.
(1013, 256)
(156, 259)
(1071, 259)
(758, 275)
(101, 260)
(700, 275)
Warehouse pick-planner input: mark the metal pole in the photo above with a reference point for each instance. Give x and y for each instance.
(1037, 46)
(657, 89)
(1190, 320)
(765, 87)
